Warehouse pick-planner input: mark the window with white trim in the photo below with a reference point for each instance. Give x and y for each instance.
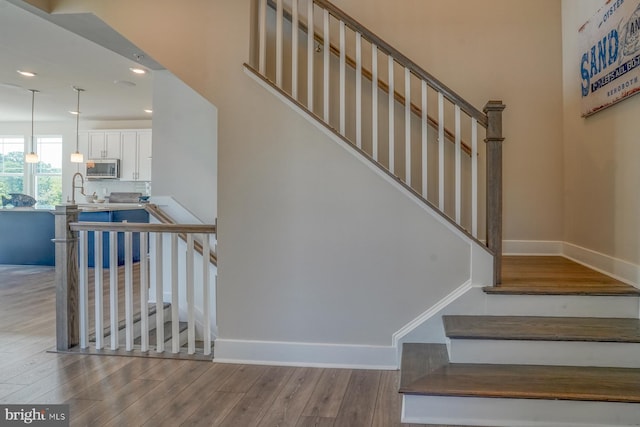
(12, 170)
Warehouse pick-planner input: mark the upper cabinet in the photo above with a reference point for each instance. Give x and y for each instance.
(136, 156)
(104, 145)
(132, 147)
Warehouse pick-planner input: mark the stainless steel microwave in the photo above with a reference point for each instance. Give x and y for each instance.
(103, 169)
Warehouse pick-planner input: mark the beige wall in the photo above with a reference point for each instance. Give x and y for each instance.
(601, 158)
(494, 49)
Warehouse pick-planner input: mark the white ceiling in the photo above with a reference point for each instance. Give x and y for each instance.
(62, 60)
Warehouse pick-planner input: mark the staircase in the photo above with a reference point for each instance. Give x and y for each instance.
(576, 363)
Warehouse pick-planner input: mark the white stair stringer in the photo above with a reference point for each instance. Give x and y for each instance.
(502, 412)
(534, 352)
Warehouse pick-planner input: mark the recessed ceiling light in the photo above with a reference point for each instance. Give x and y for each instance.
(75, 113)
(147, 110)
(138, 70)
(26, 73)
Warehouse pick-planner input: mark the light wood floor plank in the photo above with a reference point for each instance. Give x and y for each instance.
(359, 402)
(327, 397)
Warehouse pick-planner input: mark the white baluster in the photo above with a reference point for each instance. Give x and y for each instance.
(294, 49)
(279, 42)
(99, 311)
(458, 167)
(441, 151)
(425, 156)
(159, 293)
(327, 58)
(474, 177)
(407, 126)
(144, 292)
(262, 34)
(374, 100)
(392, 118)
(84, 289)
(206, 311)
(113, 290)
(343, 78)
(191, 337)
(359, 90)
(175, 315)
(310, 53)
(128, 290)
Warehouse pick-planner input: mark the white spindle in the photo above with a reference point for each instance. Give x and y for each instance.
(206, 311)
(128, 290)
(327, 58)
(262, 34)
(374, 100)
(425, 156)
(84, 289)
(144, 292)
(159, 294)
(294, 49)
(441, 151)
(407, 126)
(175, 316)
(359, 90)
(474, 177)
(392, 119)
(99, 311)
(343, 77)
(279, 42)
(458, 158)
(191, 337)
(310, 53)
(113, 290)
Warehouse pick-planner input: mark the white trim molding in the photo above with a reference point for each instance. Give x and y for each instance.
(624, 271)
(318, 355)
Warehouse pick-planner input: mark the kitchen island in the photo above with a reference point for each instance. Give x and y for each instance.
(26, 234)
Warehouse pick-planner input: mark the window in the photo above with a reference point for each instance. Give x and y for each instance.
(48, 171)
(11, 164)
(43, 181)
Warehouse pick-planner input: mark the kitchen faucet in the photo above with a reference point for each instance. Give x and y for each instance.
(74, 187)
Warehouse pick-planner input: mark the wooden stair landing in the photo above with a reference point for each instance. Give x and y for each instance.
(555, 275)
(592, 329)
(530, 382)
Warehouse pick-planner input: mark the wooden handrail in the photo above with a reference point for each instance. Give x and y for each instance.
(163, 217)
(403, 60)
(415, 109)
(142, 227)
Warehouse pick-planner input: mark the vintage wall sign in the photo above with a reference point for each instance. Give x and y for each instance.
(610, 55)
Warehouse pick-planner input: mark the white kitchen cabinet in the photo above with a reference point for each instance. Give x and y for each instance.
(136, 156)
(104, 145)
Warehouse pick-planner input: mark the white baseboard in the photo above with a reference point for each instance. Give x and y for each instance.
(531, 247)
(305, 354)
(619, 269)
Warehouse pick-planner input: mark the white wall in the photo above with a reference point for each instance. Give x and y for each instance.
(185, 146)
(601, 160)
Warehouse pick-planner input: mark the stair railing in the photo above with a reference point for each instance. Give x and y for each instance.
(318, 83)
(73, 306)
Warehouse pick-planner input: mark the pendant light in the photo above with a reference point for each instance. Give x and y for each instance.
(32, 157)
(77, 157)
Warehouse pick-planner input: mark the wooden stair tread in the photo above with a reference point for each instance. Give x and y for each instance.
(591, 329)
(555, 275)
(418, 359)
(167, 333)
(530, 382)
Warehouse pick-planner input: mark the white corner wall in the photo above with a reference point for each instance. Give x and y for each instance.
(185, 146)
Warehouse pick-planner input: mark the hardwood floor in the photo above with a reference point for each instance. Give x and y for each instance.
(122, 391)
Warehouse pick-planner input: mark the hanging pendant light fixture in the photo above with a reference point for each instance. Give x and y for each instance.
(77, 157)
(32, 157)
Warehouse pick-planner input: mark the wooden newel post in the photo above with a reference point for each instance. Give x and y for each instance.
(67, 329)
(494, 141)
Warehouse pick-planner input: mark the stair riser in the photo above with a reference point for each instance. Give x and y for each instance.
(562, 305)
(472, 411)
(557, 353)
(137, 326)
